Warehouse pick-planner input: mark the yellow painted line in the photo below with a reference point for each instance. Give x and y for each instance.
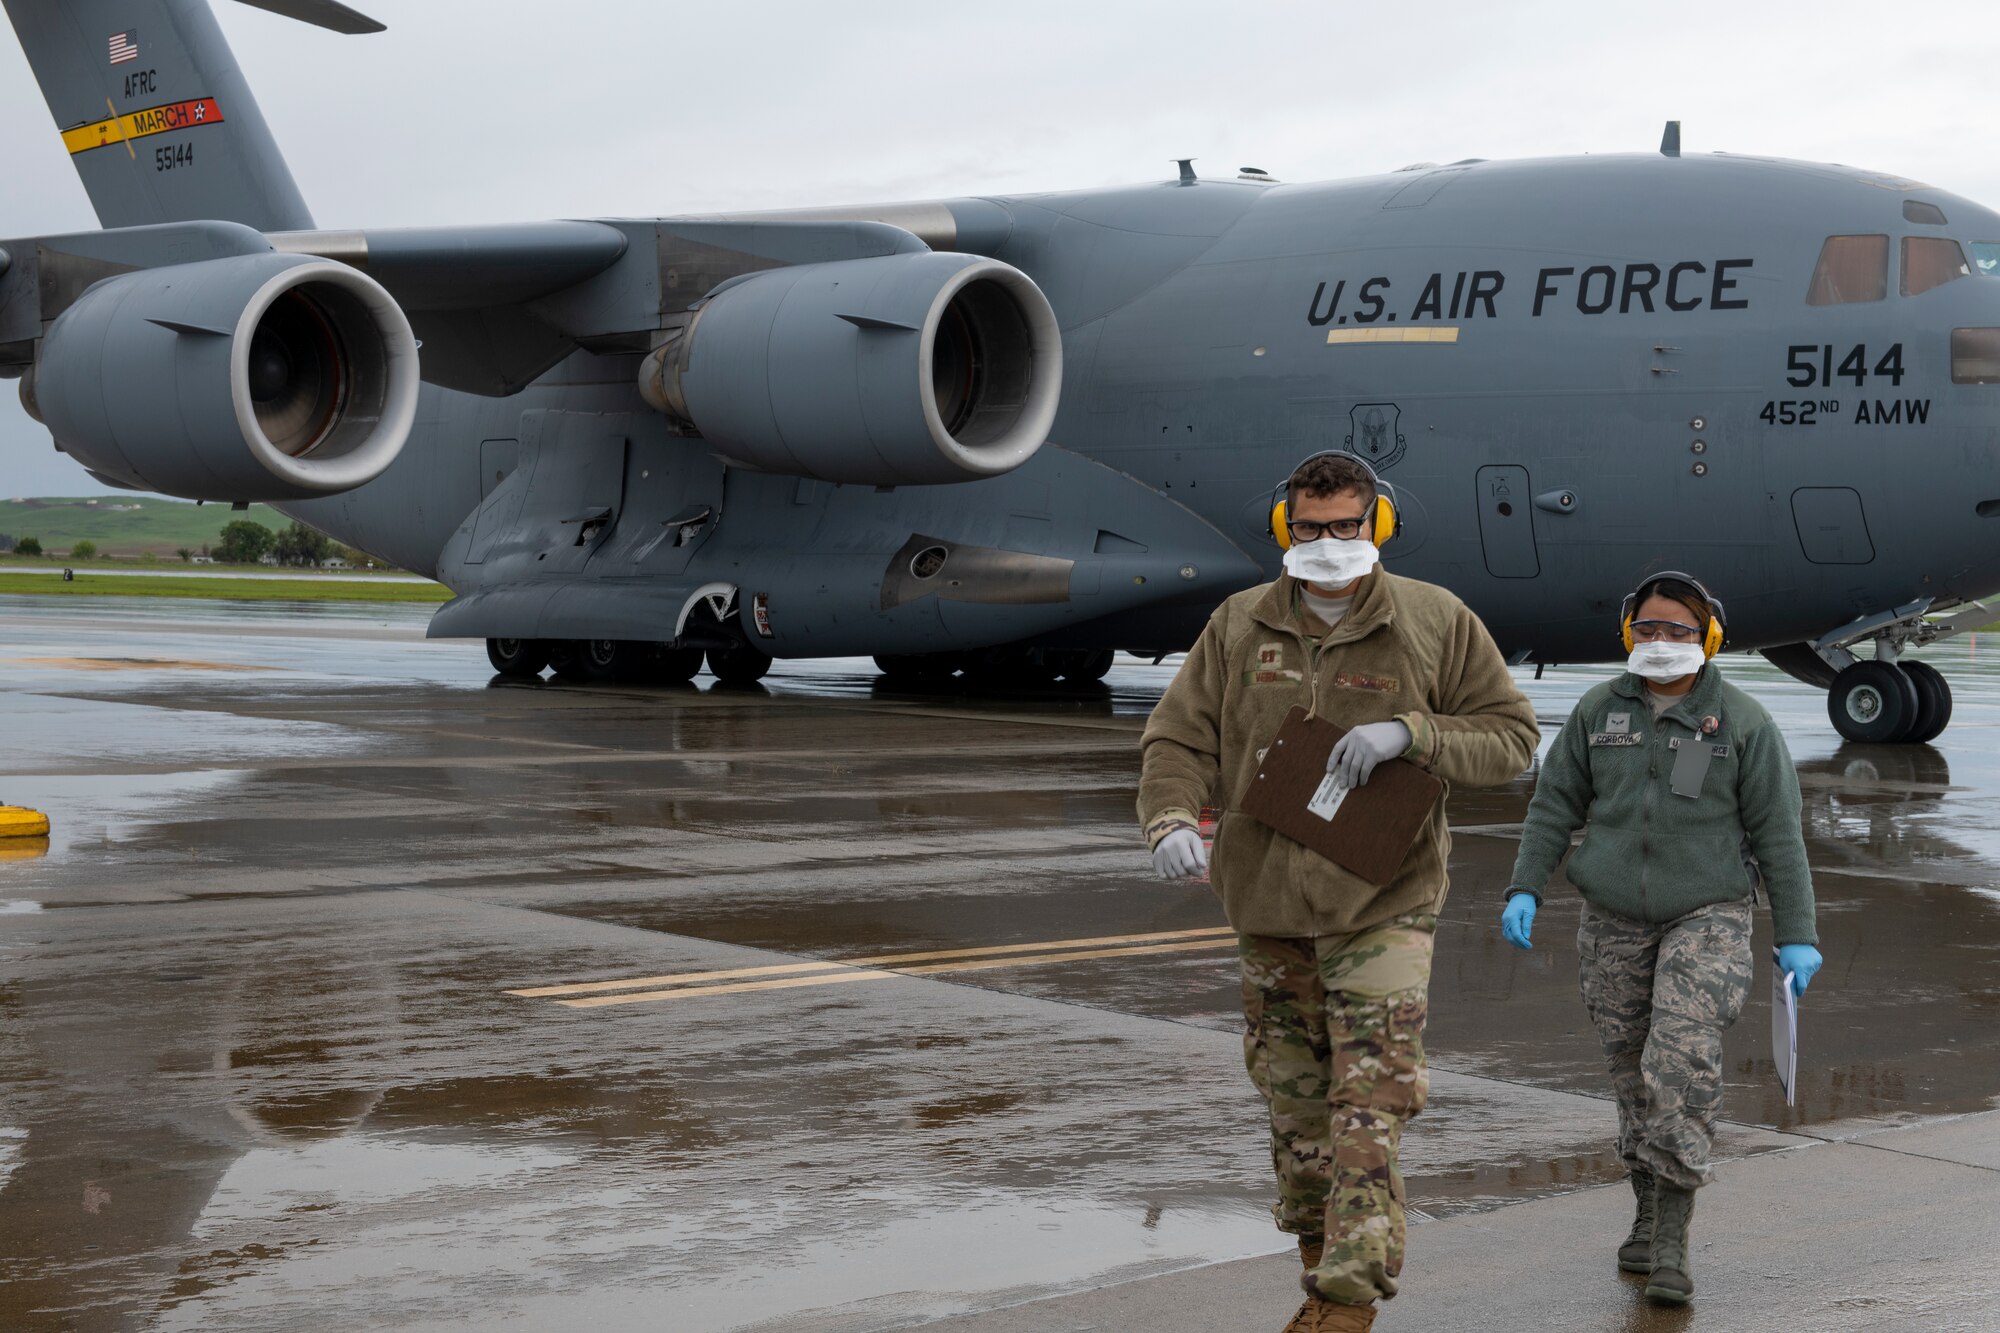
(787, 983)
(1186, 946)
(878, 960)
(1411, 335)
(871, 974)
(672, 979)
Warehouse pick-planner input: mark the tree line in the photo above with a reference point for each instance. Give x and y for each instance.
(241, 542)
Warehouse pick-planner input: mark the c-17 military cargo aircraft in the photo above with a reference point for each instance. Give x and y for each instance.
(1013, 434)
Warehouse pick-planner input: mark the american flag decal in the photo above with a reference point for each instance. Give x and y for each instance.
(124, 47)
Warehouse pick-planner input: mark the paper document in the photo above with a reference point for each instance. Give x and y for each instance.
(1326, 801)
(1784, 1031)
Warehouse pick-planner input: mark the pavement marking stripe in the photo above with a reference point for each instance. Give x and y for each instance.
(673, 979)
(873, 974)
(878, 960)
(787, 983)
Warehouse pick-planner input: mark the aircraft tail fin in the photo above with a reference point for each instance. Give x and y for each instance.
(155, 114)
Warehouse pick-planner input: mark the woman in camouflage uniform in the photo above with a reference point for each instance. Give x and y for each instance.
(1686, 793)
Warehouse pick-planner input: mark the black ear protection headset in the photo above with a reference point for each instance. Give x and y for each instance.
(1385, 502)
(1713, 637)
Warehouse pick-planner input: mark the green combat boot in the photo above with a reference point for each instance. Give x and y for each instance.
(1636, 1254)
(1673, 1211)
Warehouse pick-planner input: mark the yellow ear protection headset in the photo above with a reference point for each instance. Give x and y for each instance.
(1718, 619)
(1385, 502)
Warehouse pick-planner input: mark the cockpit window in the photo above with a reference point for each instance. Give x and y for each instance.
(1931, 261)
(1916, 210)
(1986, 258)
(1851, 268)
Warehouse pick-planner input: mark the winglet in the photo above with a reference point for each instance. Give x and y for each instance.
(1670, 142)
(328, 14)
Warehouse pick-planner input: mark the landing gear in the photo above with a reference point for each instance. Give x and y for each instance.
(1933, 702)
(1873, 702)
(1890, 703)
(917, 668)
(615, 660)
(566, 658)
(517, 657)
(1082, 666)
(1889, 700)
(738, 664)
(675, 666)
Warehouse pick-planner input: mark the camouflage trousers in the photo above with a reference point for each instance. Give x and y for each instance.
(1334, 1039)
(1661, 997)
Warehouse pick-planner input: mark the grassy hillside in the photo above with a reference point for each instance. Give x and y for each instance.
(156, 525)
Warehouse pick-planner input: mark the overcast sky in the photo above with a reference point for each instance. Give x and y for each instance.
(513, 109)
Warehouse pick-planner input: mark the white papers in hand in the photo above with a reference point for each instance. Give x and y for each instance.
(1784, 1030)
(1326, 801)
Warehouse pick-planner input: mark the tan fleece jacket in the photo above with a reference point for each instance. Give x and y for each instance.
(1405, 650)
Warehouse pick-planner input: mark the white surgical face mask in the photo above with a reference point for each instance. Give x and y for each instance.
(1665, 663)
(1331, 562)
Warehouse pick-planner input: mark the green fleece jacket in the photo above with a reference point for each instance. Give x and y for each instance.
(1650, 854)
(1406, 650)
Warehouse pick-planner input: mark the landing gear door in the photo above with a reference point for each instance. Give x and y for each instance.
(1507, 523)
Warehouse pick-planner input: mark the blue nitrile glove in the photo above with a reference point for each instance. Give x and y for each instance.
(1355, 755)
(1801, 960)
(1517, 922)
(1180, 854)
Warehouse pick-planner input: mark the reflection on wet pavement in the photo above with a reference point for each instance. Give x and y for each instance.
(259, 1058)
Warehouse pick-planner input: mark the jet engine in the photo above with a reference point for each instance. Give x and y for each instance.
(256, 377)
(901, 369)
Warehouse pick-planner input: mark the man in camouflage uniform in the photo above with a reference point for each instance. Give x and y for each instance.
(1336, 970)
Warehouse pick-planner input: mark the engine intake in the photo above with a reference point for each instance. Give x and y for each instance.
(256, 377)
(901, 369)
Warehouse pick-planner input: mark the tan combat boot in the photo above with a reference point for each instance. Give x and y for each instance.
(1669, 1281)
(1636, 1254)
(1311, 1250)
(1320, 1315)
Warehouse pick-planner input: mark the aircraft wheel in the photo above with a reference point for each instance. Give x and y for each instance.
(566, 658)
(517, 657)
(1933, 702)
(915, 666)
(1872, 702)
(1085, 667)
(613, 659)
(738, 664)
(675, 666)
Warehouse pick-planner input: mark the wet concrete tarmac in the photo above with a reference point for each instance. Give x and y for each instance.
(354, 980)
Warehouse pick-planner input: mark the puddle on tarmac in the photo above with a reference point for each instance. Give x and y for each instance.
(508, 1238)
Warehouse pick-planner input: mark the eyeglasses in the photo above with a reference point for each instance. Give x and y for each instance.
(1347, 529)
(1663, 631)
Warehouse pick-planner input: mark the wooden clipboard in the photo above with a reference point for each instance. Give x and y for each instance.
(1375, 825)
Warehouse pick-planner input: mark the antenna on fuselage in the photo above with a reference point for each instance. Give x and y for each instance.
(1186, 164)
(1670, 142)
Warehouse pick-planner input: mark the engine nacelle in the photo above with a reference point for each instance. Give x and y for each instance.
(899, 370)
(257, 377)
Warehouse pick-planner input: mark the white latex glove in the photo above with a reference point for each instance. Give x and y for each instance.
(1180, 854)
(1357, 753)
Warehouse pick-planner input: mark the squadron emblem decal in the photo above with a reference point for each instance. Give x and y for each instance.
(1373, 434)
